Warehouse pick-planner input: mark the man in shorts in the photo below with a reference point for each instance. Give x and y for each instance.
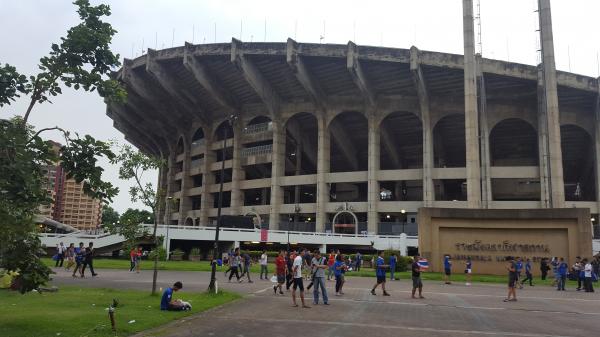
(280, 272)
(447, 268)
(380, 273)
(298, 282)
(416, 277)
(512, 279)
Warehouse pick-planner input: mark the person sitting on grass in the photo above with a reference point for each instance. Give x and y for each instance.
(168, 303)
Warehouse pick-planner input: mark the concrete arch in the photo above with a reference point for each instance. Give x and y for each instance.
(438, 115)
(218, 131)
(349, 134)
(333, 114)
(381, 116)
(578, 118)
(258, 120)
(578, 161)
(180, 146)
(333, 222)
(401, 141)
(498, 115)
(449, 149)
(513, 142)
(198, 134)
(189, 221)
(286, 117)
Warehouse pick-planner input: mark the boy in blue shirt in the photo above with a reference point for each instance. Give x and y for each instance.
(392, 266)
(380, 273)
(563, 267)
(519, 267)
(167, 302)
(528, 276)
(447, 269)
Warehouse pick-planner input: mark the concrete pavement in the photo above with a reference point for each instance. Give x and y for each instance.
(448, 310)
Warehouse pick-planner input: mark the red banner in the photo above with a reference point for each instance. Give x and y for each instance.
(264, 235)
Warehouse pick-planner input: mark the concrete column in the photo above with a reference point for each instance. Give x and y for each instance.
(208, 179)
(373, 183)
(169, 192)
(543, 143)
(484, 131)
(557, 192)
(403, 245)
(237, 174)
(597, 145)
(471, 115)
(277, 172)
(185, 204)
(323, 166)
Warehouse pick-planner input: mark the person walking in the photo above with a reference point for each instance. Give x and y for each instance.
(330, 263)
(132, 259)
(528, 275)
(298, 281)
(263, 265)
(247, 263)
(88, 260)
(60, 255)
(290, 264)
(318, 267)
(392, 265)
(447, 269)
(138, 259)
(358, 261)
(234, 264)
(70, 256)
(587, 281)
(544, 268)
(512, 279)
(280, 272)
(562, 269)
(555, 264)
(519, 267)
(468, 271)
(380, 273)
(416, 277)
(79, 252)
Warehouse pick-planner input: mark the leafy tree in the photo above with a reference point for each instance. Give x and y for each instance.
(128, 225)
(22, 192)
(133, 165)
(82, 59)
(109, 215)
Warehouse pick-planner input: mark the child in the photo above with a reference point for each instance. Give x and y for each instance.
(468, 271)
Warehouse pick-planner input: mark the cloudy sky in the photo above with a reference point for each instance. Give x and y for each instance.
(28, 27)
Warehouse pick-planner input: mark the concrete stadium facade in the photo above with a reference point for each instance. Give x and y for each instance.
(354, 139)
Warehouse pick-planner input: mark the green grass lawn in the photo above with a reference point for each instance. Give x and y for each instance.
(102, 263)
(82, 312)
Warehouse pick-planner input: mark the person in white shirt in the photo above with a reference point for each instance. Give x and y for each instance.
(298, 282)
(263, 265)
(60, 254)
(587, 282)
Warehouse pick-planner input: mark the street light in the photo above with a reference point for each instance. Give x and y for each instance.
(213, 278)
(403, 219)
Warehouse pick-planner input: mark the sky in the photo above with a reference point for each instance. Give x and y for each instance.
(508, 32)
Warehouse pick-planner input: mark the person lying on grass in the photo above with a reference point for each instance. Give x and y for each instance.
(168, 303)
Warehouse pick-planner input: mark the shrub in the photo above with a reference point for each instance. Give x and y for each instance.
(162, 254)
(195, 251)
(402, 262)
(177, 252)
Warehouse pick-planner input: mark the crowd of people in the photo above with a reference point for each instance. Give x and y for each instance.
(80, 257)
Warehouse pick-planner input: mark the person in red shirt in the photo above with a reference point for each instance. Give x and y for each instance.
(138, 259)
(132, 259)
(280, 272)
(330, 263)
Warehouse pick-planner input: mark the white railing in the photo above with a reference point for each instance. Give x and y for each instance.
(257, 150)
(257, 128)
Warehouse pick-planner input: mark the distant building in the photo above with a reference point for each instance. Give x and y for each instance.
(70, 205)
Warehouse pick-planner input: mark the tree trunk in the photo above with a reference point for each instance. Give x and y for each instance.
(31, 104)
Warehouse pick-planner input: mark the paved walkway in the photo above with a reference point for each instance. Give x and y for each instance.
(448, 310)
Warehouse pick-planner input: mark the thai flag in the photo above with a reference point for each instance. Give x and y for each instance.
(423, 263)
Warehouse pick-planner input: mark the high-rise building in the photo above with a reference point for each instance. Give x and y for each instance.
(70, 205)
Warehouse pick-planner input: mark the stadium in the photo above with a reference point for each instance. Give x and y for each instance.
(349, 139)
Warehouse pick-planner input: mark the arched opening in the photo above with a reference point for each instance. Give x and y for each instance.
(198, 138)
(513, 142)
(179, 148)
(349, 138)
(301, 133)
(189, 222)
(449, 142)
(578, 163)
(224, 130)
(258, 124)
(345, 222)
(401, 141)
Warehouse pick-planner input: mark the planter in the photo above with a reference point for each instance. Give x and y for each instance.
(176, 257)
(195, 257)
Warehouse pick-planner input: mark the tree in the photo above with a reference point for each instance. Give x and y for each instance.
(109, 215)
(128, 225)
(133, 165)
(82, 59)
(22, 191)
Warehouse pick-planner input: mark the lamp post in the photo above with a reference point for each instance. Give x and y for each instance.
(403, 219)
(213, 279)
